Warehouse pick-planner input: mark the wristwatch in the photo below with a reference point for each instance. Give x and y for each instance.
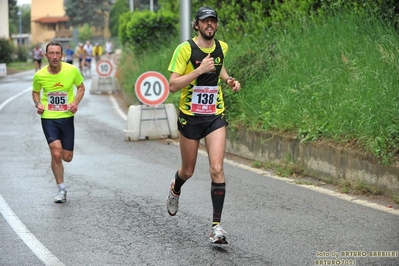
(227, 80)
(36, 103)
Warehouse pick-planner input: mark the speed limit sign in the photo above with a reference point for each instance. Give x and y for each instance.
(152, 88)
(104, 68)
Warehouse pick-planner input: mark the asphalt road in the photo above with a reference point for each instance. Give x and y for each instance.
(115, 213)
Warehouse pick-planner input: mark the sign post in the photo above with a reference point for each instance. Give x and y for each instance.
(3, 70)
(103, 82)
(152, 119)
(152, 88)
(104, 68)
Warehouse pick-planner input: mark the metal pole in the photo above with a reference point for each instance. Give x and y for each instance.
(151, 5)
(131, 5)
(20, 28)
(185, 20)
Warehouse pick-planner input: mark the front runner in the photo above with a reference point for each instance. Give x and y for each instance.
(57, 108)
(197, 69)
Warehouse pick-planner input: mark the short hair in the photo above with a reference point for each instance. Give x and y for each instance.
(53, 44)
(194, 23)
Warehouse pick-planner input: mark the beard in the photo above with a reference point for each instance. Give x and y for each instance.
(207, 36)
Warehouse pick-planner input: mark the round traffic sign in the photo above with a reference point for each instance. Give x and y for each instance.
(152, 88)
(104, 68)
(115, 59)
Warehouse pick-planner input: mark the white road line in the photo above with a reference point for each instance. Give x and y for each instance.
(118, 109)
(29, 239)
(12, 98)
(19, 228)
(329, 192)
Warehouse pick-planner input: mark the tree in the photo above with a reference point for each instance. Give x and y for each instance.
(25, 9)
(120, 7)
(13, 19)
(85, 33)
(92, 12)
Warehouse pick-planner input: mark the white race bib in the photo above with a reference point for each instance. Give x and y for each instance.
(204, 100)
(57, 101)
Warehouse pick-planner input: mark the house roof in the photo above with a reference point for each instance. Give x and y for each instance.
(51, 20)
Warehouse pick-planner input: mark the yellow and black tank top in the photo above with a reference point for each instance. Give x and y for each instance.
(203, 96)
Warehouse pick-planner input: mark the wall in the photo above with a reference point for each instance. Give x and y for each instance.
(321, 160)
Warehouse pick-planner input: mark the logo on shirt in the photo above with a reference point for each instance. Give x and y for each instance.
(58, 84)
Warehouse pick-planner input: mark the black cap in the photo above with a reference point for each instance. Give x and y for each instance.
(206, 12)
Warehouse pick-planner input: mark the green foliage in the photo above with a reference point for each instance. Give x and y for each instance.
(6, 50)
(170, 5)
(85, 32)
(22, 53)
(25, 23)
(146, 30)
(92, 12)
(120, 7)
(331, 78)
(314, 69)
(13, 19)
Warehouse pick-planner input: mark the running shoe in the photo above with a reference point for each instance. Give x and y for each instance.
(61, 196)
(218, 235)
(172, 202)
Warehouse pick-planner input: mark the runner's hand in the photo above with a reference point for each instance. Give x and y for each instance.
(40, 108)
(73, 107)
(207, 64)
(235, 85)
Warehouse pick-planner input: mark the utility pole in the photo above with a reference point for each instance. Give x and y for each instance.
(131, 5)
(20, 27)
(185, 20)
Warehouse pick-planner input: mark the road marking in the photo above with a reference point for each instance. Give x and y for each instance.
(19, 228)
(118, 109)
(29, 239)
(12, 98)
(326, 191)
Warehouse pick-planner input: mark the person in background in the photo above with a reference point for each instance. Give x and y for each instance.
(57, 106)
(81, 54)
(69, 54)
(97, 52)
(109, 48)
(37, 57)
(88, 47)
(197, 71)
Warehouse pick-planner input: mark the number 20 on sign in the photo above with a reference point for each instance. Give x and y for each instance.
(152, 88)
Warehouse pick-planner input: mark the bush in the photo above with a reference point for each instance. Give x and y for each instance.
(6, 50)
(141, 30)
(22, 53)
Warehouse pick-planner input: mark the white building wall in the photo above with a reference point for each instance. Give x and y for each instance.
(4, 31)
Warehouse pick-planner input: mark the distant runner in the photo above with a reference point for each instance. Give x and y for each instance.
(57, 107)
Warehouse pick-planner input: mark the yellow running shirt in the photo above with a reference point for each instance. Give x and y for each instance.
(182, 64)
(58, 90)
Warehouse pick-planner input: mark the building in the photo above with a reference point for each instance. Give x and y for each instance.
(4, 31)
(50, 23)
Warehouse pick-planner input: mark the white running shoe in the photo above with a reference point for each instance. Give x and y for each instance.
(172, 202)
(218, 235)
(61, 196)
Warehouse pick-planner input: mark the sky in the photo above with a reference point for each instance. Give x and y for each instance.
(21, 2)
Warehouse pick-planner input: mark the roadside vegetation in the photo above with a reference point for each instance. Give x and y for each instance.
(332, 77)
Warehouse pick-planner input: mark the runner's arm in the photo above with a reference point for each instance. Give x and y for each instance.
(36, 100)
(178, 82)
(230, 81)
(73, 106)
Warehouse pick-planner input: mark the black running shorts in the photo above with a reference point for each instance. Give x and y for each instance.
(198, 127)
(62, 129)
